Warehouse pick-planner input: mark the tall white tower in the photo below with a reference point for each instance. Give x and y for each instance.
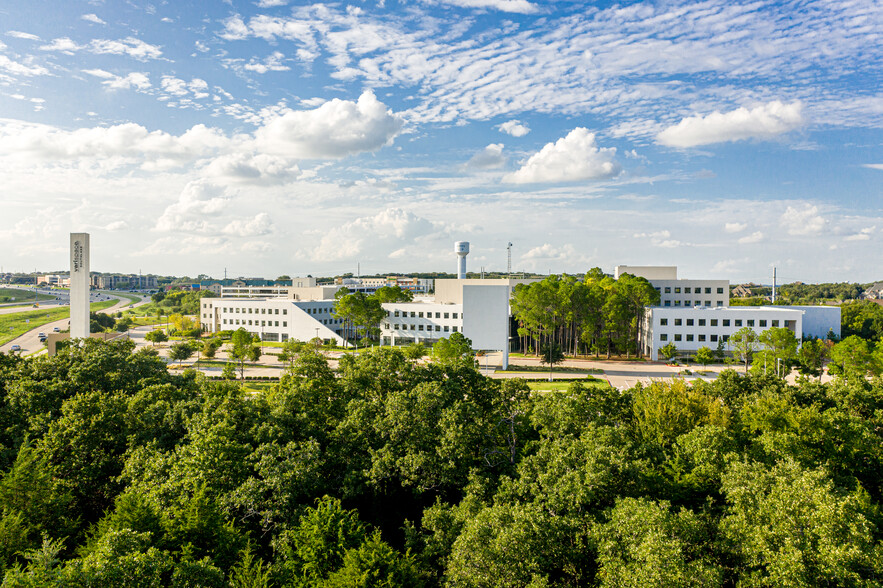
(461, 248)
(80, 282)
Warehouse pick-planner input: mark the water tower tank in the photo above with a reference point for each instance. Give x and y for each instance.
(461, 248)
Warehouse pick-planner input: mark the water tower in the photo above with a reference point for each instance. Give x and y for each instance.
(461, 248)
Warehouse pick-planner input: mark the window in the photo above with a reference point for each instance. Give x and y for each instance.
(686, 303)
(708, 303)
(689, 322)
(668, 289)
(678, 290)
(277, 324)
(237, 311)
(708, 290)
(677, 336)
(437, 328)
(263, 311)
(284, 323)
(420, 314)
(688, 290)
(713, 322)
(447, 328)
(396, 313)
(284, 311)
(775, 323)
(446, 316)
(263, 323)
(677, 302)
(726, 322)
(701, 322)
(714, 338)
(249, 322)
(454, 315)
(678, 322)
(690, 337)
(762, 322)
(702, 337)
(413, 314)
(663, 322)
(668, 302)
(277, 311)
(720, 290)
(250, 311)
(737, 323)
(725, 338)
(720, 303)
(438, 315)
(750, 323)
(663, 337)
(455, 329)
(419, 327)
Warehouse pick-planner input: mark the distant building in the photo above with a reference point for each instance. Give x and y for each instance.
(742, 291)
(874, 292)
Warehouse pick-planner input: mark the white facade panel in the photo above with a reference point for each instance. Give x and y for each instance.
(79, 285)
(486, 316)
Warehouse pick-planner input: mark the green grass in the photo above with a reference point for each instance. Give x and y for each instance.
(7, 295)
(562, 386)
(130, 297)
(14, 325)
(534, 369)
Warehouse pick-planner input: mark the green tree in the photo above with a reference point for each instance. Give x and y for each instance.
(745, 344)
(210, 347)
(291, 349)
(780, 348)
(181, 351)
(551, 355)
(853, 358)
(229, 372)
(386, 294)
(811, 357)
(668, 351)
(704, 356)
(156, 336)
(454, 351)
(244, 349)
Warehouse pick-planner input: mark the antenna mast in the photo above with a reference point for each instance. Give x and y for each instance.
(509, 261)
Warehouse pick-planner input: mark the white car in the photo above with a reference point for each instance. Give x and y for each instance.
(15, 348)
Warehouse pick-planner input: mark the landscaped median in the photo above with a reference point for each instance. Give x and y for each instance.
(16, 324)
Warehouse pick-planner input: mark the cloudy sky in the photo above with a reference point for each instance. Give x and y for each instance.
(275, 136)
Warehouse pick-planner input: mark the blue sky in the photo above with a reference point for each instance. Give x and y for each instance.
(272, 137)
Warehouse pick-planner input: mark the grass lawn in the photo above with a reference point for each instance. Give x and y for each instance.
(130, 297)
(14, 325)
(16, 295)
(541, 386)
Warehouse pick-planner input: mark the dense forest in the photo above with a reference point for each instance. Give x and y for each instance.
(393, 472)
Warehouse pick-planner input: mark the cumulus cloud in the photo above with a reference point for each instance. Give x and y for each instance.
(246, 168)
(755, 237)
(259, 225)
(803, 221)
(763, 122)
(873, 166)
(514, 128)
(335, 129)
(863, 235)
(735, 227)
(387, 230)
(539, 258)
(115, 226)
(271, 63)
(197, 201)
(21, 69)
(573, 158)
(136, 80)
(490, 157)
(271, 3)
(92, 18)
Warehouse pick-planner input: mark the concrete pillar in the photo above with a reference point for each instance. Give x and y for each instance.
(80, 284)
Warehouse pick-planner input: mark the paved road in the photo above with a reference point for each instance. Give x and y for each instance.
(30, 341)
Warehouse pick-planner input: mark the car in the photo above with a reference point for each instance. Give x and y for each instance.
(56, 330)
(15, 348)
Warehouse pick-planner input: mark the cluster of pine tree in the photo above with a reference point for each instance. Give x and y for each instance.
(392, 472)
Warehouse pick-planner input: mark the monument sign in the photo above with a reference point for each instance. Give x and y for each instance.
(80, 283)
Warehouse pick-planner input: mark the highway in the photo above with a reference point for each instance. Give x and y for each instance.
(30, 341)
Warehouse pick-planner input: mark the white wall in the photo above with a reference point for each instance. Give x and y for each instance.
(79, 285)
(486, 316)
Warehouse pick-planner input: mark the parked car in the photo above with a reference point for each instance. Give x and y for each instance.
(56, 330)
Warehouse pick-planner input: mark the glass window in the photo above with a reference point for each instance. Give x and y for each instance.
(284, 323)
(446, 316)
(725, 338)
(714, 338)
(708, 290)
(713, 322)
(663, 322)
(708, 303)
(720, 303)
(420, 314)
(396, 313)
(762, 322)
(455, 329)
(668, 302)
(677, 302)
(413, 314)
(678, 322)
(702, 337)
(750, 323)
(737, 323)
(678, 290)
(689, 337)
(720, 290)
(453, 315)
(726, 322)
(663, 337)
(689, 322)
(677, 336)
(419, 327)
(437, 328)
(701, 322)
(688, 290)
(447, 328)
(668, 289)
(775, 323)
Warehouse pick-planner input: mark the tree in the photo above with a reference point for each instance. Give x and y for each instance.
(704, 356)
(551, 355)
(393, 294)
(180, 351)
(853, 358)
(244, 349)
(229, 372)
(744, 343)
(668, 351)
(210, 347)
(780, 347)
(290, 351)
(156, 336)
(454, 351)
(361, 312)
(811, 357)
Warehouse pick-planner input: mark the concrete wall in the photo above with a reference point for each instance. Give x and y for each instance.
(818, 320)
(451, 291)
(486, 316)
(80, 284)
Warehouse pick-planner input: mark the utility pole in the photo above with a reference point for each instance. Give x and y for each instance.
(774, 285)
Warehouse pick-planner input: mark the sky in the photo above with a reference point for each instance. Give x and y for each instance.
(271, 137)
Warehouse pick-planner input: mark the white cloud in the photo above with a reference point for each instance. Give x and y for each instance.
(259, 169)
(197, 201)
(517, 6)
(763, 122)
(803, 221)
(335, 129)
(271, 63)
(92, 18)
(490, 157)
(514, 128)
(135, 79)
(873, 166)
(755, 237)
(271, 3)
(17, 68)
(573, 158)
(131, 46)
(21, 35)
(539, 258)
(863, 235)
(114, 226)
(735, 227)
(259, 225)
(385, 231)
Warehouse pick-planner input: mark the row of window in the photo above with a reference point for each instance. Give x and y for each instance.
(262, 323)
(692, 303)
(420, 314)
(249, 310)
(690, 290)
(438, 328)
(690, 337)
(762, 323)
